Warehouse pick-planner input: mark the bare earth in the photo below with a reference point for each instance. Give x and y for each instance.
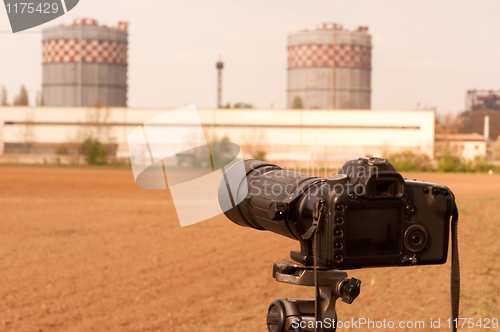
(88, 250)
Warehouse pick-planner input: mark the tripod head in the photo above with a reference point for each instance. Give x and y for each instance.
(297, 315)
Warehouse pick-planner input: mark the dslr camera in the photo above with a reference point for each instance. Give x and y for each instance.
(367, 215)
(372, 217)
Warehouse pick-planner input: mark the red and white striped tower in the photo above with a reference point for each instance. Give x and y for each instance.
(85, 64)
(329, 68)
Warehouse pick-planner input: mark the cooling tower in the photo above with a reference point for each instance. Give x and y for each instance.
(329, 68)
(85, 64)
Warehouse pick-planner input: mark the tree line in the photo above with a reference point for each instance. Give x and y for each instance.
(21, 99)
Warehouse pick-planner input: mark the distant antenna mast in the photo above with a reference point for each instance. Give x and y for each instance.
(219, 65)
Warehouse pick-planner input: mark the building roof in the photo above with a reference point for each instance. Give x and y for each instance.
(474, 137)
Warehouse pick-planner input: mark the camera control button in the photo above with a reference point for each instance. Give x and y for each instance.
(351, 290)
(416, 238)
(410, 208)
(409, 260)
(277, 210)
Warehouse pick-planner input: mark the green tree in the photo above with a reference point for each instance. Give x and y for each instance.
(220, 151)
(260, 155)
(22, 98)
(297, 103)
(27, 132)
(473, 122)
(482, 165)
(62, 150)
(242, 105)
(3, 98)
(39, 98)
(408, 161)
(448, 162)
(238, 105)
(95, 153)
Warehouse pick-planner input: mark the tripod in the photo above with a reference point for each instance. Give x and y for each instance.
(298, 315)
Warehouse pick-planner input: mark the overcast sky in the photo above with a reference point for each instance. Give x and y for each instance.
(427, 52)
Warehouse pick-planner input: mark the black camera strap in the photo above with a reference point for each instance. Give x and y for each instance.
(455, 269)
(455, 265)
(319, 205)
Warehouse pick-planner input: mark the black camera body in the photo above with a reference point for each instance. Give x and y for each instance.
(377, 218)
(371, 216)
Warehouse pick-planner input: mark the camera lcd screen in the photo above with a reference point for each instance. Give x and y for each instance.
(373, 230)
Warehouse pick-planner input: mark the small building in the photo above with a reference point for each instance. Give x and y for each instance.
(467, 146)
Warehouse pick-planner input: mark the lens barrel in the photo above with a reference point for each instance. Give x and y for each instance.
(269, 198)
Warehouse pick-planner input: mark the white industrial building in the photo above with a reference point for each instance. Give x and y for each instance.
(468, 146)
(326, 137)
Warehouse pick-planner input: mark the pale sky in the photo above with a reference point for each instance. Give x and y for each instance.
(427, 52)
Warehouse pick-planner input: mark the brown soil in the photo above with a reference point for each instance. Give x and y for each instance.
(88, 250)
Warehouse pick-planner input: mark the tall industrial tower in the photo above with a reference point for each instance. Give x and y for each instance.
(85, 64)
(219, 65)
(329, 68)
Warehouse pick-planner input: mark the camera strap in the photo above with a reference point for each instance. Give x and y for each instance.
(455, 269)
(455, 266)
(319, 205)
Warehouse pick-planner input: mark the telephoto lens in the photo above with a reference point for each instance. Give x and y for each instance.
(271, 198)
